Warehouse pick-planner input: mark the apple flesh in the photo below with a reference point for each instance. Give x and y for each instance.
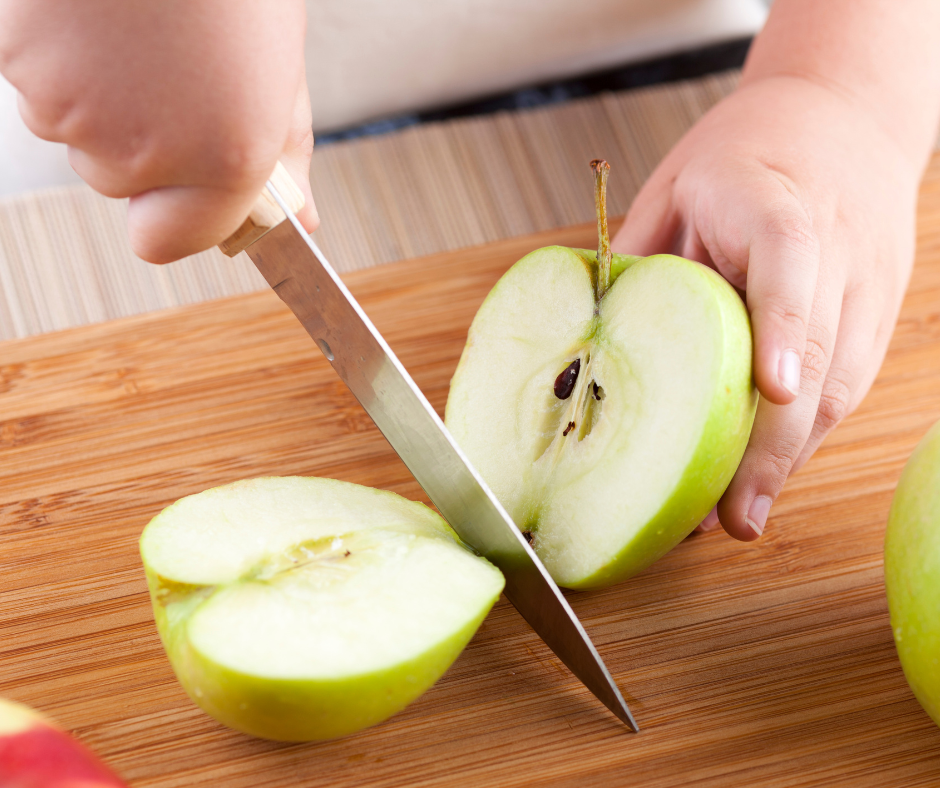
(912, 571)
(608, 426)
(36, 754)
(305, 608)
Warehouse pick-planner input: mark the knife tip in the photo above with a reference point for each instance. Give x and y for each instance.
(614, 701)
(622, 712)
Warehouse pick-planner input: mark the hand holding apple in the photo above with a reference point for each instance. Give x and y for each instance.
(800, 189)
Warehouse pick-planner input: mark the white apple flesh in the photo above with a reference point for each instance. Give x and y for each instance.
(610, 478)
(303, 608)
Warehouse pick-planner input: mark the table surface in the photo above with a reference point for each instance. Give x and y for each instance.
(763, 664)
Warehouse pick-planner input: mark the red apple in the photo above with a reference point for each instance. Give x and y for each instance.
(36, 754)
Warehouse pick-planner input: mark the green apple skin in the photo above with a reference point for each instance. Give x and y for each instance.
(723, 432)
(309, 707)
(305, 709)
(912, 571)
(722, 442)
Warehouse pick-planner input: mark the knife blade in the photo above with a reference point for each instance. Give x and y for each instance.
(296, 269)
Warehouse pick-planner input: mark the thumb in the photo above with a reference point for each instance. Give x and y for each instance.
(652, 221)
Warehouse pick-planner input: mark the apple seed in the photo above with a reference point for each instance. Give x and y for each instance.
(564, 383)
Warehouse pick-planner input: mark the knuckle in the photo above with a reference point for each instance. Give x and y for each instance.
(771, 460)
(834, 404)
(815, 359)
(241, 163)
(776, 463)
(47, 119)
(787, 312)
(245, 154)
(794, 231)
(301, 142)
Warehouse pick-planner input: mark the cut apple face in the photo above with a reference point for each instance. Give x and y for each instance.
(607, 426)
(305, 608)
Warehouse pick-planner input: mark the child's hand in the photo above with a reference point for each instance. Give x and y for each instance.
(798, 196)
(182, 105)
(800, 188)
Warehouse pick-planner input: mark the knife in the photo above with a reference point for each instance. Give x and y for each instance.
(296, 269)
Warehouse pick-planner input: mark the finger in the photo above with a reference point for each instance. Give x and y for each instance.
(127, 176)
(173, 222)
(46, 128)
(168, 223)
(297, 153)
(109, 177)
(652, 221)
(855, 362)
(780, 432)
(692, 248)
(710, 523)
(782, 271)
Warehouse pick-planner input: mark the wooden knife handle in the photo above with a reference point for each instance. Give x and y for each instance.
(265, 213)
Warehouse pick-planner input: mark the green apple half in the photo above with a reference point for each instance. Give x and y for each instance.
(912, 571)
(609, 478)
(304, 608)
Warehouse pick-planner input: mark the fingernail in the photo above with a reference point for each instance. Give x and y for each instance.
(789, 372)
(710, 523)
(757, 514)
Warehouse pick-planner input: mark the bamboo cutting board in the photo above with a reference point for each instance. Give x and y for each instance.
(766, 664)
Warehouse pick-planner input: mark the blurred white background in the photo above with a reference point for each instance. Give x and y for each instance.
(27, 162)
(424, 53)
(371, 58)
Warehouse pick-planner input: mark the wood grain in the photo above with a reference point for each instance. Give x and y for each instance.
(765, 664)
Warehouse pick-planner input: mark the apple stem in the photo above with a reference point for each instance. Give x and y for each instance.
(601, 169)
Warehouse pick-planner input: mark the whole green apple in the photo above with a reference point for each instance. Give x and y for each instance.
(304, 608)
(912, 571)
(606, 405)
